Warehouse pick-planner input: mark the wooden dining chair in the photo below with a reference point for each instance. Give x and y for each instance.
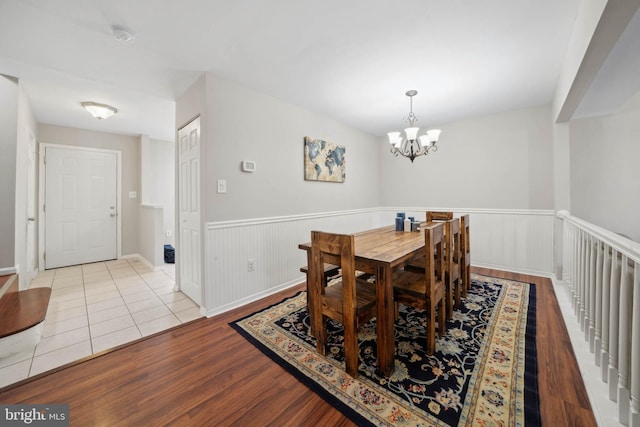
(465, 255)
(348, 300)
(426, 290)
(452, 252)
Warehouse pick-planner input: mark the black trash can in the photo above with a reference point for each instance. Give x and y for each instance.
(169, 254)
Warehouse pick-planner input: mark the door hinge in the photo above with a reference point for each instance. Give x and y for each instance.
(44, 256)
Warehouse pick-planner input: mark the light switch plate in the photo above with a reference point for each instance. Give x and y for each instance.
(222, 186)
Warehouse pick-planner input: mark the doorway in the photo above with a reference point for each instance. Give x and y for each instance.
(80, 205)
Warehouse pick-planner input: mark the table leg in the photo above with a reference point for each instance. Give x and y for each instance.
(309, 292)
(385, 319)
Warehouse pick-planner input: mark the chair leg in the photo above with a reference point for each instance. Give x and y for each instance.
(442, 321)
(458, 291)
(468, 277)
(449, 296)
(351, 357)
(463, 283)
(320, 332)
(431, 331)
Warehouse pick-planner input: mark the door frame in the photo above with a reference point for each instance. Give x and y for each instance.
(41, 195)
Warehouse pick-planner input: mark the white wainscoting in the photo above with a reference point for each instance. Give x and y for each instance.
(515, 240)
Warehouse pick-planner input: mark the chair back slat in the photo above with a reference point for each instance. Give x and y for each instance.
(465, 254)
(434, 254)
(439, 216)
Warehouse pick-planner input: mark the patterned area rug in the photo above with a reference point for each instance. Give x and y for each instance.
(483, 373)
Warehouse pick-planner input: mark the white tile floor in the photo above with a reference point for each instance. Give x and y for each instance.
(98, 306)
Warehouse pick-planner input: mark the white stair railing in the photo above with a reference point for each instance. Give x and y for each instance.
(602, 270)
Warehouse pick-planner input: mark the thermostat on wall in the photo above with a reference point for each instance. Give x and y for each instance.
(248, 166)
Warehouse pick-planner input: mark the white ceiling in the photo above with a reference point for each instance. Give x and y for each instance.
(352, 60)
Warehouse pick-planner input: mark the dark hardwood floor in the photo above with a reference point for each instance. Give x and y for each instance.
(205, 374)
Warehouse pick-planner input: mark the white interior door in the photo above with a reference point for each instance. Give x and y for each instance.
(31, 208)
(80, 206)
(188, 250)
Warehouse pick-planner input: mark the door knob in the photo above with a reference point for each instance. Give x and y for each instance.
(31, 219)
(112, 215)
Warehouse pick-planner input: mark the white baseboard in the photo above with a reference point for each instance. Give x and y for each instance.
(252, 298)
(515, 270)
(144, 261)
(8, 270)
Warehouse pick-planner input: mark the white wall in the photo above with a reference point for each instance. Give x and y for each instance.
(130, 148)
(157, 176)
(150, 247)
(8, 143)
(581, 35)
(243, 124)
(499, 161)
(238, 123)
(605, 173)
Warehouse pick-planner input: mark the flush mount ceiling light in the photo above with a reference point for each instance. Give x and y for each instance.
(99, 111)
(122, 34)
(412, 145)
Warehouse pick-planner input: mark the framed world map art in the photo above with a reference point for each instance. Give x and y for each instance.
(323, 161)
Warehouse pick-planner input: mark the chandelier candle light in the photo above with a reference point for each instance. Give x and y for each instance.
(412, 145)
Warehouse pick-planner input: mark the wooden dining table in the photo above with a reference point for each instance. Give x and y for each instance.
(381, 251)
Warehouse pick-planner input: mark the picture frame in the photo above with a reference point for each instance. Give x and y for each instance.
(323, 161)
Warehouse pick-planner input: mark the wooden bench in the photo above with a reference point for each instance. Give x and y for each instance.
(21, 310)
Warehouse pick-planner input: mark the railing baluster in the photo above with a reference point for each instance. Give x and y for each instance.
(576, 276)
(614, 309)
(626, 301)
(586, 255)
(635, 350)
(591, 284)
(573, 255)
(597, 343)
(580, 300)
(567, 247)
(606, 312)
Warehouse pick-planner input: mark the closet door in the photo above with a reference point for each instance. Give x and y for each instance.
(190, 235)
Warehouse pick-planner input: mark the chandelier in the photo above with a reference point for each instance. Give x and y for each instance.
(412, 145)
